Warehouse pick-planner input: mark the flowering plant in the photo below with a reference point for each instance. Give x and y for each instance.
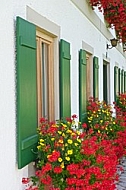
(121, 102)
(74, 156)
(120, 107)
(69, 158)
(100, 119)
(59, 145)
(115, 15)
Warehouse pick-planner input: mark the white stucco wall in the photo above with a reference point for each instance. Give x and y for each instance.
(74, 28)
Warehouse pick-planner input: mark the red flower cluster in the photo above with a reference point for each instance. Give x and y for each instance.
(115, 15)
(120, 106)
(54, 156)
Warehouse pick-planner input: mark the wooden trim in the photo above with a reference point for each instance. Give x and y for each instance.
(51, 84)
(39, 98)
(42, 37)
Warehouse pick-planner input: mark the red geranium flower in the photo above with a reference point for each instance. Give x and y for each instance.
(57, 169)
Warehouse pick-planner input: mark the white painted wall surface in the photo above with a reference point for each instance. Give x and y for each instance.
(75, 28)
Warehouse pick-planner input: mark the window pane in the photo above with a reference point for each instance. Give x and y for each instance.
(44, 79)
(105, 83)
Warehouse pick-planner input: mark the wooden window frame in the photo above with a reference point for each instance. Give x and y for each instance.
(45, 38)
(107, 82)
(89, 90)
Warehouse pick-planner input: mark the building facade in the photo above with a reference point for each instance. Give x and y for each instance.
(53, 57)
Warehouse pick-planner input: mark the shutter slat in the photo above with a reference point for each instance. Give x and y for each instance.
(26, 143)
(65, 89)
(26, 92)
(28, 43)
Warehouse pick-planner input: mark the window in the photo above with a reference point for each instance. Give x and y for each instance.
(122, 81)
(116, 85)
(95, 77)
(45, 75)
(35, 81)
(89, 69)
(106, 81)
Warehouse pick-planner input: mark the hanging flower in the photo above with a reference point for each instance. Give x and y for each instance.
(115, 14)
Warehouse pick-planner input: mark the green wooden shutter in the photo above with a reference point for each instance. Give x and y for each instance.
(125, 82)
(65, 90)
(115, 82)
(82, 86)
(26, 92)
(95, 77)
(122, 81)
(119, 79)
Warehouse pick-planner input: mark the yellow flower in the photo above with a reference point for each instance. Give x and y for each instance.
(42, 144)
(69, 141)
(79, 140)
(106, 128)
(62, 165)
(41, 140)
(52, 139)
(99, 131)
(68, 131)
(54, 125)
(60, 132)
(63, 125)
(63, 134)
(76, 144)
(113, 122)
(60, 159)
(67, 158)
(69, 152)
(72, 133)
(66, 144)
(60, 141)
(48, 155)
(38, 147)
(78, 132)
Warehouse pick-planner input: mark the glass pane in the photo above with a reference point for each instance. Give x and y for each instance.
(105, 83)
(44, 80)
